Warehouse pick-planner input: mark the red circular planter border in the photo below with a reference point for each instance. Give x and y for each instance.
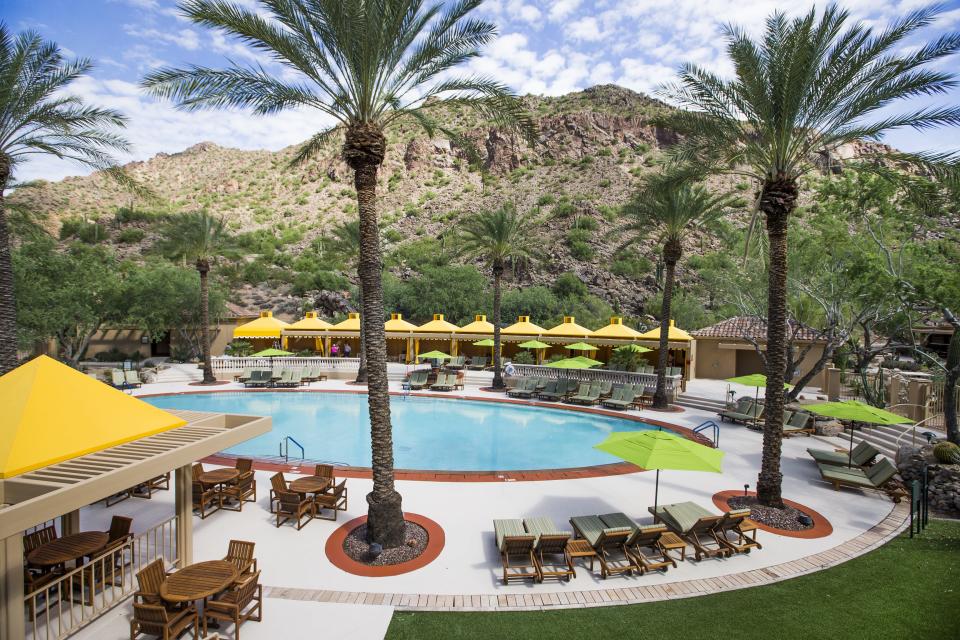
(338, 558)
(218, 383)
(821, 526)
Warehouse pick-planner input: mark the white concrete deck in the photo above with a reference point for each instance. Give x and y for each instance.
(469, 563)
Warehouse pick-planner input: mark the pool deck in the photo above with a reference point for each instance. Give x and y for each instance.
(302, 584)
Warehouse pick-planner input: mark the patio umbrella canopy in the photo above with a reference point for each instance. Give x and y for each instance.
(581, 346)
(633, 348)
(856, 411)
(486, 342)
(271, 353)
(531, 344)
(433, 355)
(753, 380)
(569, 363)
(590, 362)
(661, 450)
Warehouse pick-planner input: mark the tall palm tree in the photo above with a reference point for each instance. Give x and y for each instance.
(808, 86)
(347, 238)
(497, 237)
(367, 65)
(675, 206)
(38, 117)
(198, 237)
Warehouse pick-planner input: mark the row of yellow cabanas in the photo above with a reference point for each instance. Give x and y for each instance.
(406, 340)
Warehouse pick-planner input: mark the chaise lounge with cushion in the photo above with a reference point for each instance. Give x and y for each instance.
(861, 456)
(695, 525)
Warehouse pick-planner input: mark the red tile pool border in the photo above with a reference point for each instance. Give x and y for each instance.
(534, 475)
(821, 526)
(436, 539)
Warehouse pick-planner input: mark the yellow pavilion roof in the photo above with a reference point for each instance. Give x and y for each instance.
(479, 325)
(266, 326)
(352, 323)
(396, 323)
(523, 327)
(438, 325)
(310, 322)
(53, 413)
(616, 329)
(673, 335)
(568, 327)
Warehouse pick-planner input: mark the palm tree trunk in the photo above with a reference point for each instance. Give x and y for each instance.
(362, 366)
(363, 150)
(204, 269)
(671, 255)
(497, 277)
(777, 201)
(950, 383)
(8, 303)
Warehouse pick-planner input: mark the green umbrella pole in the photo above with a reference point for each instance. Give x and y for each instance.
(656, 492)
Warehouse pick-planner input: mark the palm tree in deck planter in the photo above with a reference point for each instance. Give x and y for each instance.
(497, 237)
(347, 238)
(366, 65)
(809, 86)
(198, 237)
(675, 206)
(38, 117)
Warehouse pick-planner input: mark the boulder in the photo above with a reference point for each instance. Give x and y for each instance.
(943, 480)
(828, 428)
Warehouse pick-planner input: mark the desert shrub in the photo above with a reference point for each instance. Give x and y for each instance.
(581, 250)
(545, 199)
(564, 209)
(131, 235)
(523, 357)
(631, 266)
(585, 222)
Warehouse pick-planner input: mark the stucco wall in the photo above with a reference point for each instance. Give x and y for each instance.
(715, 363)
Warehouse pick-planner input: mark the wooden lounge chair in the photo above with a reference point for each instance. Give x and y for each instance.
(156, 620)
(695, 525)
(478, 363)
(516, 551)
(645, 537)
(799, 423)
(259, 378)
(242, 602)
(445, 382)
(244, 376)
(622, 398)
(754, 413)
(132, 378)
(550, 549)
(526, 388)
(416, 380)
(610, 543)
(591, 396)
(731, 525)
(240, 554)
(873, 477)
(861, 456)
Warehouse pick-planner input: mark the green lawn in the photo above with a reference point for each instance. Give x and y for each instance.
(907, 589)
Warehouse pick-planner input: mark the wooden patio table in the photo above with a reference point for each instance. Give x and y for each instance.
(310, 484)
(198, 581)
(219, 476)
(68, 548)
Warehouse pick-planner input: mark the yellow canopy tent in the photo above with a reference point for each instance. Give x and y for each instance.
(523, 327)
(562, 333)
(616, 330)
(348, 329)
(679, 342)
(674, 334)
(266, 327)
(478, 326)
(399, 329)
(436, 326)
(311, 323)
(53, 413)
(469, 334)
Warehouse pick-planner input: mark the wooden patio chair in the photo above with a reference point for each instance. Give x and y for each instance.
(332, 499)
(290, 506)
(119, 534)
(324, 471)
(204, 498)
(240, 553)
(278, 484)
(242, 602)
(37, 586)
(643, 538)
(730, 525)
(156, 620)
(608, 542)
(242, 489)
(695, 525)
(516, 551)
(149, 580)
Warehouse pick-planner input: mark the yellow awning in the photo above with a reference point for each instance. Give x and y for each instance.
(397, 324)
(616, 329)
(523, 327)
(352, 323)
(438, 325)
(673, 335)
(479, 325)
(310, 322)
(53, 413)
(568, 328)
(266, 326)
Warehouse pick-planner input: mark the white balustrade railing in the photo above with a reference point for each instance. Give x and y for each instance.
(648, 380)
(228, 364)
(60, 607)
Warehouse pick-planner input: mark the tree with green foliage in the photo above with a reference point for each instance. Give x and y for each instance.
(675, 207)
(198, 237)
(368, 65)
(39, 117)
(809, 85)
(498, 238)
(459, 291)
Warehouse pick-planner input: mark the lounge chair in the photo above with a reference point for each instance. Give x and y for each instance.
(416, 380)
(754, 413)
(510, 382)
(526, 389)
(549, 391)
(741, 408)
(610, 543)
(445, 382)
(695, 525)
(732, 525)
(606, 388)
(589, 394)
(258, 378)
(243, 377)
(550, 549)
(289, 379)
(798, 423)
(622, 398)
(516, 551)
(644, 537)
(457, 362)
(861, 456)
(132, 379)
(478, 363)
(872, 478)
(118, 380)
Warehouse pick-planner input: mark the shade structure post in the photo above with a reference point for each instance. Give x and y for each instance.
(70, 523)
(12, 624)
(183, 500)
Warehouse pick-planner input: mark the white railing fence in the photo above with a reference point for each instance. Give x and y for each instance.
(648, 380)
(61, 607)
(224, 365)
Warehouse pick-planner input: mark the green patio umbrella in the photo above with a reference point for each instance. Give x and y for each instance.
(433, 355)
(590, 362)
(661, 450)
(754, 380)
(856, 411)
(533, 344)
(569, 363)
(486, 342)
(271, 353)
(632, 348)
(581, 346)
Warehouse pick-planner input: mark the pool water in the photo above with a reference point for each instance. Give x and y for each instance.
(428, 433)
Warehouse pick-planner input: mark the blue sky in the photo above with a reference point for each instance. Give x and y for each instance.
(545, 47)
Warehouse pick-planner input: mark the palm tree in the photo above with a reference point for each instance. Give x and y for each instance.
(198, 237)
(367, 65)
(37, 117)
(497, 237)
(674, 205)
(347, 236)
(808, 86)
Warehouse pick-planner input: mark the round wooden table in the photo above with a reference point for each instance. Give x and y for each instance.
(68, 548)
(309, 484)
(198, 581)
(219, 476)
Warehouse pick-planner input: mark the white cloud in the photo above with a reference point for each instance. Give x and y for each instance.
(585, 29)
(523, 11)
(560, 9)
(185, 38)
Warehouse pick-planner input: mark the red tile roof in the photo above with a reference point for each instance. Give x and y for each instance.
(754, 328)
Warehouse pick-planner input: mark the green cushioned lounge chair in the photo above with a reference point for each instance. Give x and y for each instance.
(861, 456)
(132, 378)
(730, 534)
(445, 382)
(871, 478)
(478, 363)
(754, 413)
(799, 423)
(243, 377)
(622, 398)
(516, 551)
(695, 525)
(608, 542)
(259, 378)
(645, 538)
(589, 394)
(526, 388)
(550, 391)
(550, 548)
(416, 380)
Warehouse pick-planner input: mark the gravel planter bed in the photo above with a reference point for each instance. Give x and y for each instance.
(787, 518)
(357, 547)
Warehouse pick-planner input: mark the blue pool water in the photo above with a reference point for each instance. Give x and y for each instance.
(428, 433)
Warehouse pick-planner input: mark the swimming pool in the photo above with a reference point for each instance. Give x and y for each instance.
(428, 433)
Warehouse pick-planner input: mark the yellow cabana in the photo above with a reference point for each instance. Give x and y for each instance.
(309, 330)
(438, 334)
(345, 333)
(399, 337)
(674, 334)
(479, 326)
(53, 413)
(680, 348)
(613, 335)
(474, 332)
(562, 333)
(520, 331)
(266, 328)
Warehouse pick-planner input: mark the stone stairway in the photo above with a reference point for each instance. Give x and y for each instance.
(699, 402)
(182, 373)
(884, 437)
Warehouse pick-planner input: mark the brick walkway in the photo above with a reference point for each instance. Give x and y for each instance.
(895, 522)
